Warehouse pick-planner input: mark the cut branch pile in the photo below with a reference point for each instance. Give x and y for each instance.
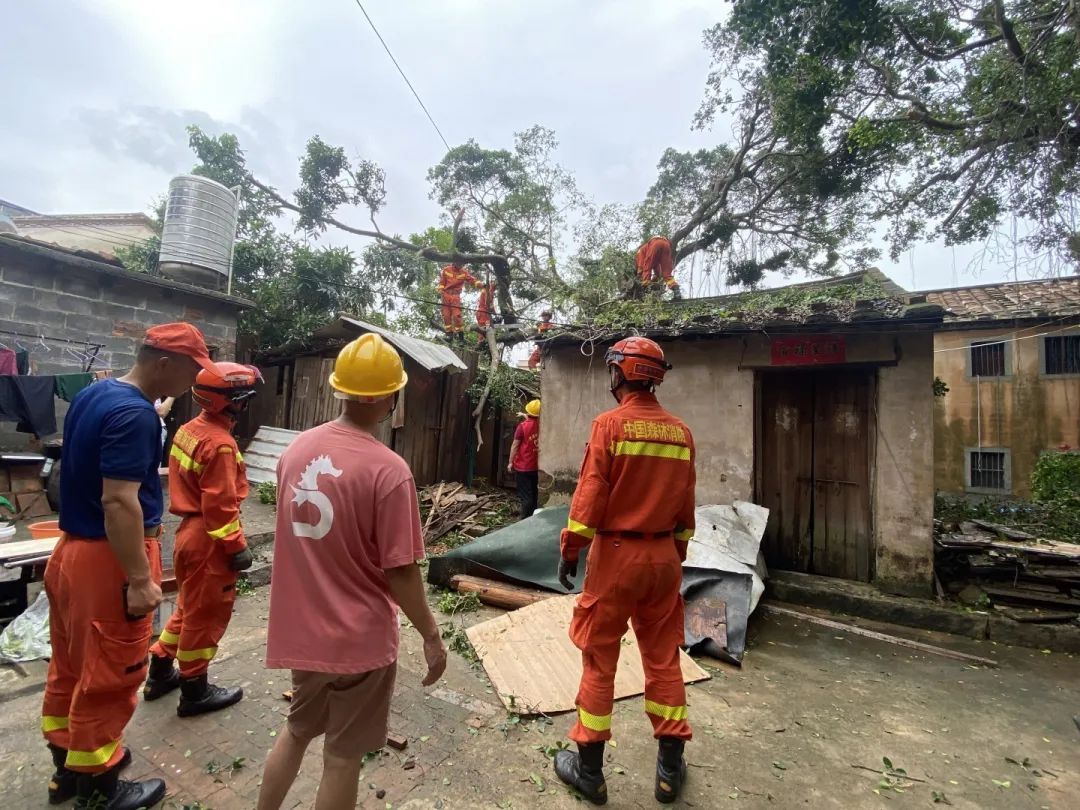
(453, 508)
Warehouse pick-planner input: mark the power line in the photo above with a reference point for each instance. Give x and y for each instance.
(406, 78)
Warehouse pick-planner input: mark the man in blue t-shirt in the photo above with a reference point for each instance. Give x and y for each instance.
(104, 577)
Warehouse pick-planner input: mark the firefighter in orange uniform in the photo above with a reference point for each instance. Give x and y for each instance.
(544, 325)
(485, 307)
(635, 504)
(207, 484)
(452, 278)
(655, 264)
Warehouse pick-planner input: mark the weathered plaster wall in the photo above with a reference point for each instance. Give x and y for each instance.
(712, 389)
(705, 389)
(903, 500)
(1024, 411)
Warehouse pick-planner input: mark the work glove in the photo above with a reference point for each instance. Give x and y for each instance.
(241, 560)
(567, 569)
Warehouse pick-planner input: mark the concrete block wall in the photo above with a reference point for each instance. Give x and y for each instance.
(41, 296)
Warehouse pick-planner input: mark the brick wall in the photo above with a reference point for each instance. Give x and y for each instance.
(40, 295)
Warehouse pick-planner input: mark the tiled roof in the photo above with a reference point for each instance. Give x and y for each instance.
(1007, 301)
(867, 299)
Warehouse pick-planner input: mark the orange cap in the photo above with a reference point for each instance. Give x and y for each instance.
(180, 338)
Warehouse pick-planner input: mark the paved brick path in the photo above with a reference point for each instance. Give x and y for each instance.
(783, 732)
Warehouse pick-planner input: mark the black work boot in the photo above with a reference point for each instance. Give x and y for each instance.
(670, 769)
(199, 696)
(162, 678)
(584, 771)
(106, 791)
(64, 783)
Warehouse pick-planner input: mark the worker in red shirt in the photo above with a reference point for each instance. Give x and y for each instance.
(452, 278)
(525, 459)
(655, 264)
(207, 485)
(544, 325)
(635, 504)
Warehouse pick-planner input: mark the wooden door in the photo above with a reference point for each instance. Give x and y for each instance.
(785, 468)
(813, 471)
(841, 503)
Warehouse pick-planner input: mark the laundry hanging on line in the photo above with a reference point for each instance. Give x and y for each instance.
(28, 401)
(8, 364)
(68, 385)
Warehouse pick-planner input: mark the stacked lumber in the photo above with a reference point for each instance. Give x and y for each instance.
(1023, 577)
(452, 507)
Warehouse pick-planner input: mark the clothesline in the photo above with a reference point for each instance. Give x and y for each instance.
(88, 357)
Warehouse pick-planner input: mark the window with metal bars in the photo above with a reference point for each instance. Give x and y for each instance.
(1061, 354)
(988, 470)
(987, 358)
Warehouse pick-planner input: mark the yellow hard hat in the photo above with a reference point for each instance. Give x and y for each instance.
(367, 369)
(533, 408)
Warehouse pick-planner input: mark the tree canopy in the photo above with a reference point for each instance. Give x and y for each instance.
(948, 117)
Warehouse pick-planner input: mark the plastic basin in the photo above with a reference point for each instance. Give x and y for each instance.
(44, 529)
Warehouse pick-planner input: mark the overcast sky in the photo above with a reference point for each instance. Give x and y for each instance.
(98, 92)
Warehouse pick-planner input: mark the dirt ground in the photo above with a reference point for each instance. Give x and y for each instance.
(806, 722)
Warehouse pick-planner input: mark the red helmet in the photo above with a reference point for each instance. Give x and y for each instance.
(225, 388)
(639, 359)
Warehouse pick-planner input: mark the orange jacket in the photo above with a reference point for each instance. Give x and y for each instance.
(485, 306)
(637, 476)
(207, 478)
(654, 261)
(452, 279)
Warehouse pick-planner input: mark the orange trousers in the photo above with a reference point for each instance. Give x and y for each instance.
(98, 657)
(451, 313)
(635, 580)
(206, 594)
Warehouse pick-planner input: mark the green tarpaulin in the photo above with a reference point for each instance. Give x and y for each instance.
(524, 553)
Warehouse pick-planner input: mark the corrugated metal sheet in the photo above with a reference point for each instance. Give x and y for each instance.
(262, 454)
(431, 356)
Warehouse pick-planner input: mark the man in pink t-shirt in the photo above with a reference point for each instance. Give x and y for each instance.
(347, 543)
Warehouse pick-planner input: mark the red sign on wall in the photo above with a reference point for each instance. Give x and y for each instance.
(808, 351)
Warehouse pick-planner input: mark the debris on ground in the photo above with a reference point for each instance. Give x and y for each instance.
(454, 514)
(1021, 576)
(536, 669)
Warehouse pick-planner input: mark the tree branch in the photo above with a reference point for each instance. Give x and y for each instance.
(942, 56)
(1008, 32)
(429, 253)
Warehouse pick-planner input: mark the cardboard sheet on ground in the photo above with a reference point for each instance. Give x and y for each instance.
(528, 656)
(723, 577)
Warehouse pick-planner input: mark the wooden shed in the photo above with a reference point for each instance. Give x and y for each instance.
(431, 428)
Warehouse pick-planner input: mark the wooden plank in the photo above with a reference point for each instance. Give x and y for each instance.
(860, 631)
(1019, 596)
(27, 548)
(534, 666)
(499, 594)
(1005, 531)
(1037, 615)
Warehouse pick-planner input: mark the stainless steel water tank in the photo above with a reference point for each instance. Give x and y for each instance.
(199, 231)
